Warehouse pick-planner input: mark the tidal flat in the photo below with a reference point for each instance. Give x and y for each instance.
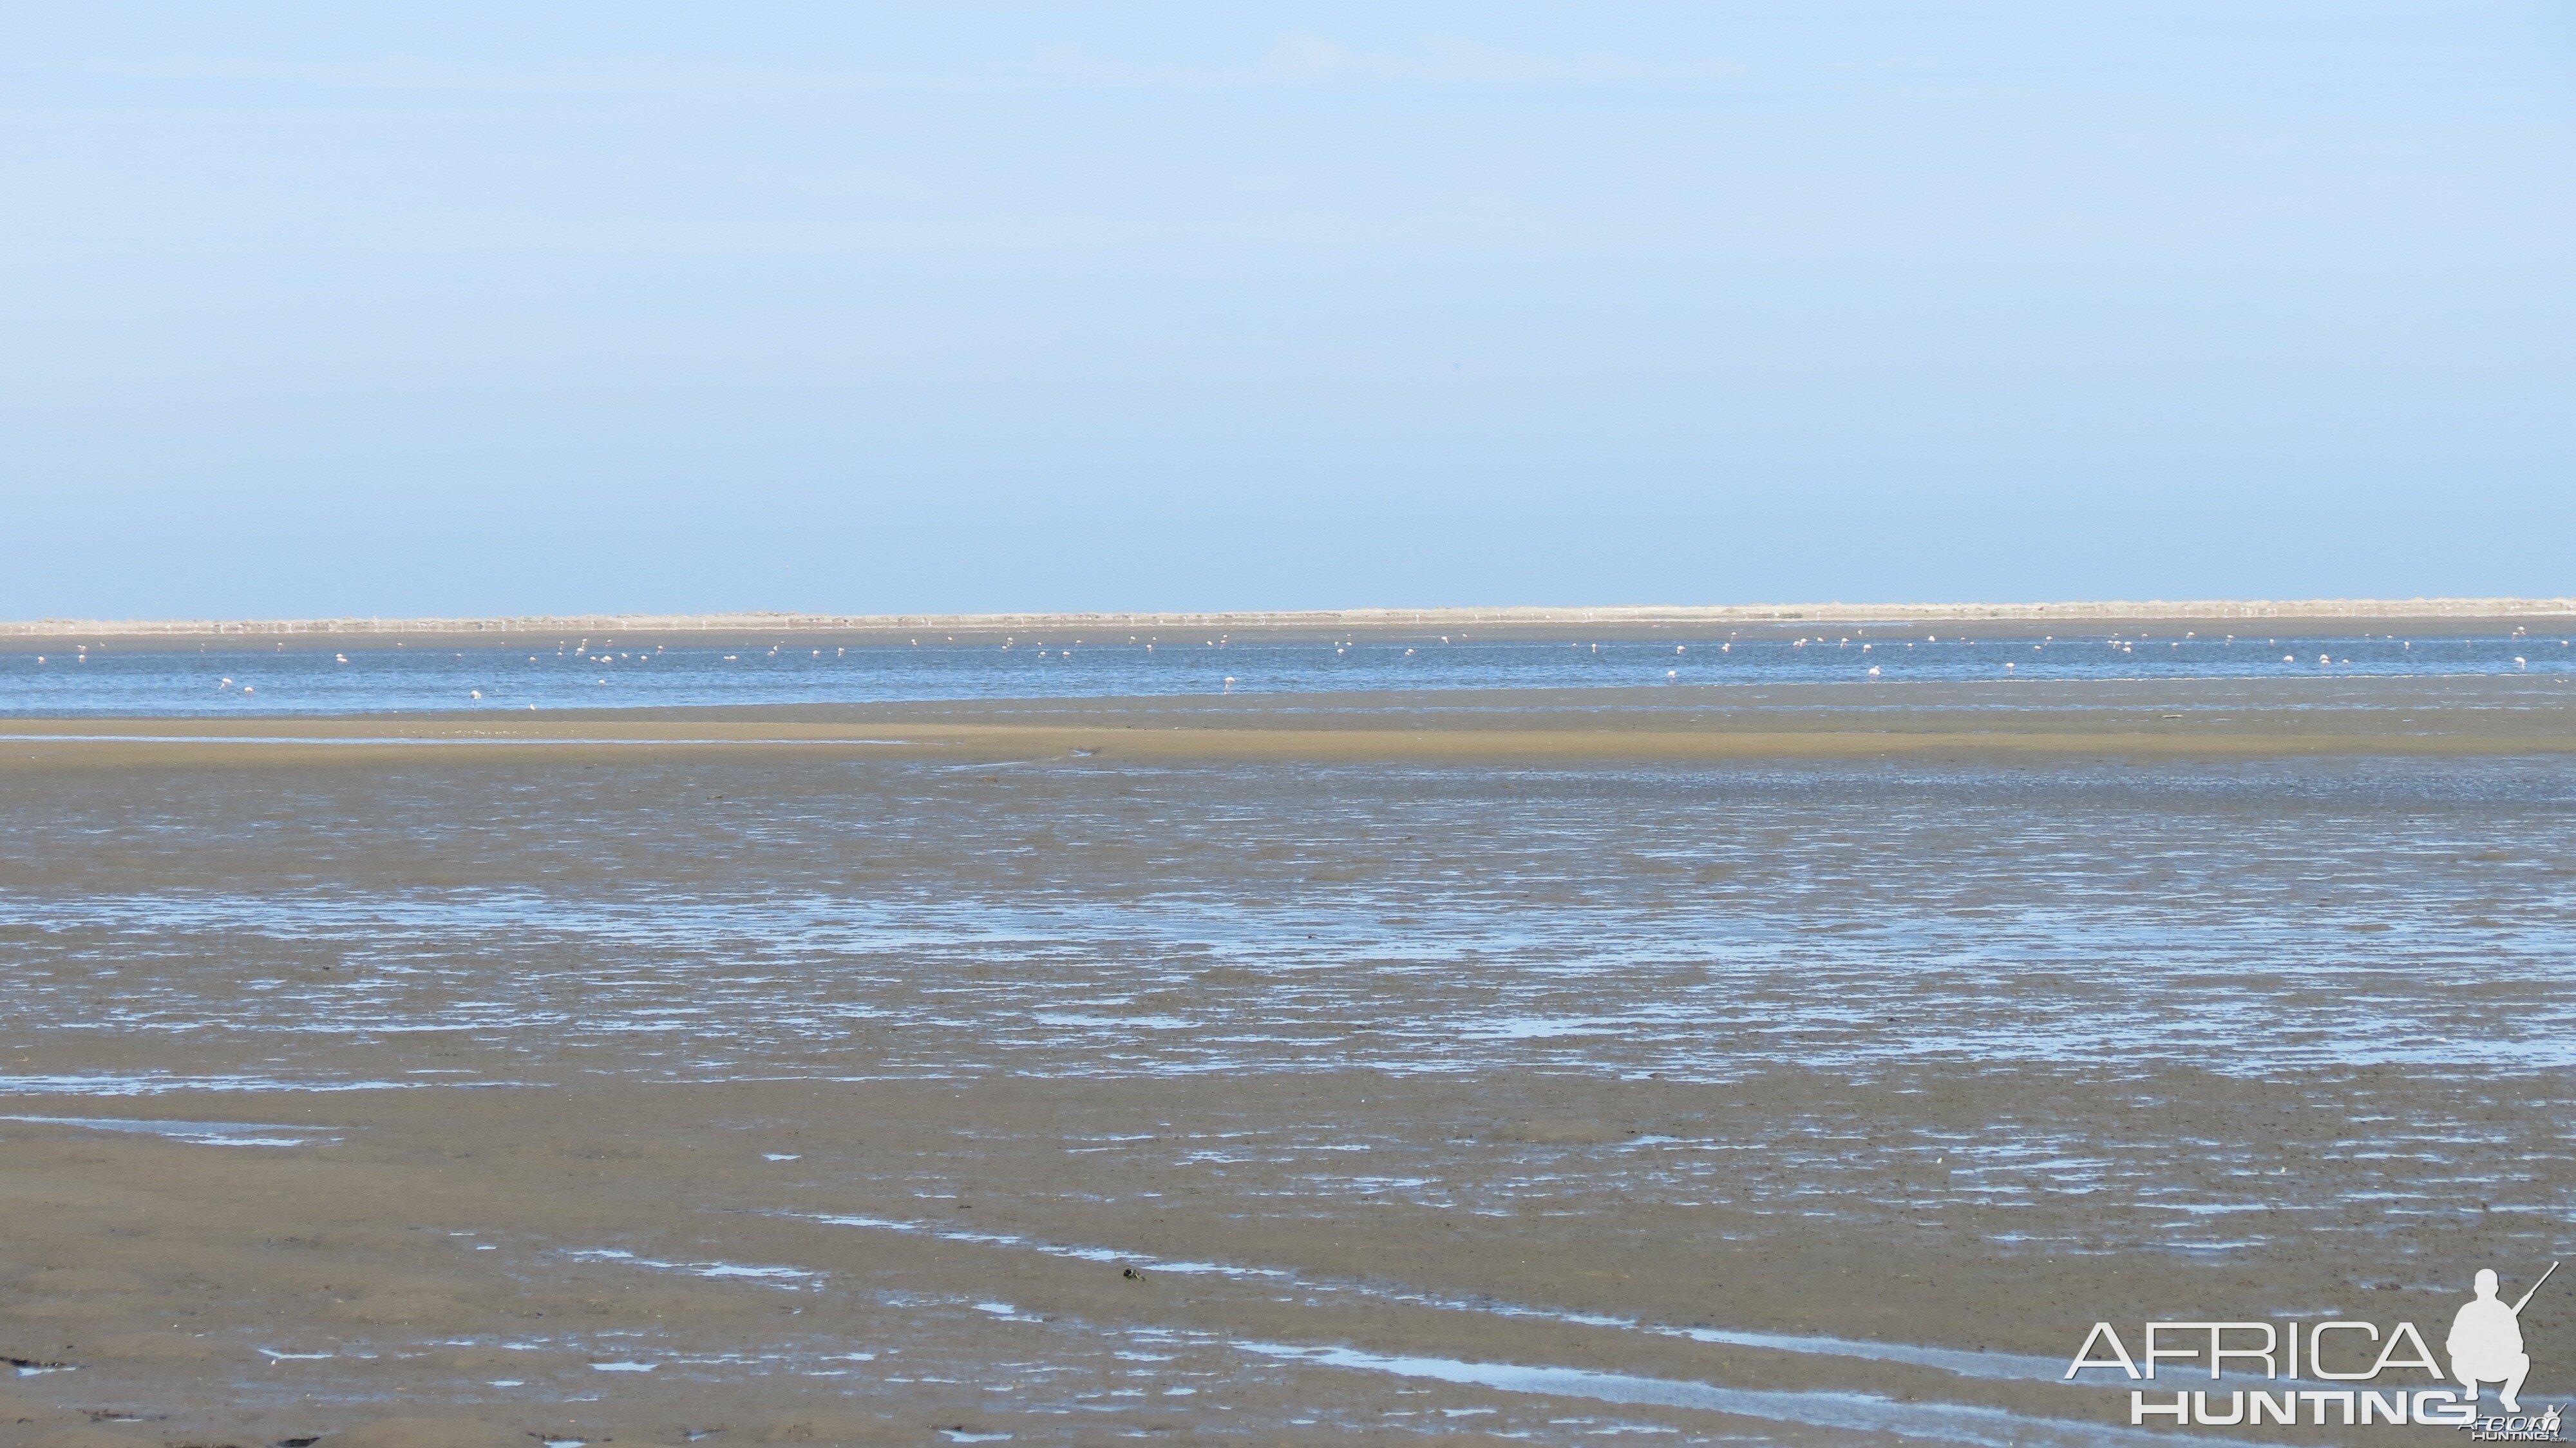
(1793, 1063)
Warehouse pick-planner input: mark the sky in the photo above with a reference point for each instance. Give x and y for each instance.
(320, 310)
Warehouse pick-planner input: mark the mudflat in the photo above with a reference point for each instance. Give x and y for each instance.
(1797, 1064)
(2210, 719)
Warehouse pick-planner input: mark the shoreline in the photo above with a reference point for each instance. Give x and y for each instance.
(2438, 615)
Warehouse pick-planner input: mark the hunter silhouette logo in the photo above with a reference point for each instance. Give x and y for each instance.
(2486, 1341)
(2343, 1372)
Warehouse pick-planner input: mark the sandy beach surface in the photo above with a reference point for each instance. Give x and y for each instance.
(1806, 1065)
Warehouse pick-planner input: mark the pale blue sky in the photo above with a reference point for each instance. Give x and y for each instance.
(520, 308)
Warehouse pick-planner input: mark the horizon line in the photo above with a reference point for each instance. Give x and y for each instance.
(1370, 617)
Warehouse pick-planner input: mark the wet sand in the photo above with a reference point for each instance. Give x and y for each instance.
(2211, 719)
(1795, 1065)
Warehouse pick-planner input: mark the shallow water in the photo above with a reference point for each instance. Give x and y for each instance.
(1842, 1412)
(133, 680)
(892, 920)
(2248, 918)
(200, 1133)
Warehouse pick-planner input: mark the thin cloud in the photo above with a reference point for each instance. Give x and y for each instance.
(402, 75)
(1304, 57)
(1297, 58)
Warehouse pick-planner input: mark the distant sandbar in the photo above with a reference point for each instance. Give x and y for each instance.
(2438, 615)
